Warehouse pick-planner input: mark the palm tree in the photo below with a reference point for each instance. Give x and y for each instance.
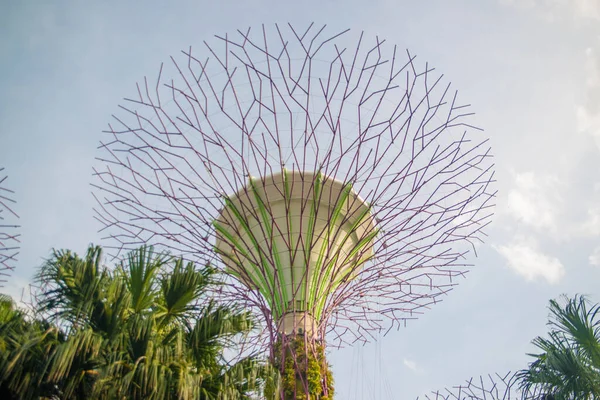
(146, 330)
(24, 345)
(568, 366)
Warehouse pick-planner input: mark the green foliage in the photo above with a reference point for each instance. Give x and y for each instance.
(24, 345)
(145, 330)
(304, 372)
(568, 366)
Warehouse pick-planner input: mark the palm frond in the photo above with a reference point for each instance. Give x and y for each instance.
(567, 367)
(181, 290)
(140, 273)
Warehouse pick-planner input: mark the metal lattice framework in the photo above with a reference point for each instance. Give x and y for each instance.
(490, 387)
(9, 236)
(496, 387)
(222, 121)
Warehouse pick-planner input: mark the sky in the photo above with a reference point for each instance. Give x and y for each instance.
(530, 69)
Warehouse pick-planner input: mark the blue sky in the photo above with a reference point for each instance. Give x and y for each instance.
(531, 70)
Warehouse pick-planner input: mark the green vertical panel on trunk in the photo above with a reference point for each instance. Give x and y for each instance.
(263, 284)
(316, 281)
(282, 301)
(312, 221)
(355, 250)
(264, 263)
(287, 196)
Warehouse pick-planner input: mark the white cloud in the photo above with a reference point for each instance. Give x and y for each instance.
(592, 225)
(556, 9)
(588, 114)
(588, 123)
(410, 364)
(586, 8)
(526, 260)
(588, 120)
(594, 258)
(535, 200)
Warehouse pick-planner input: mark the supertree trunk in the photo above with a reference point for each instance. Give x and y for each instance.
(305, 373)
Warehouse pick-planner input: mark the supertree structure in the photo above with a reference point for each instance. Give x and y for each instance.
(490, 387)
(335, 179)
(9, 236)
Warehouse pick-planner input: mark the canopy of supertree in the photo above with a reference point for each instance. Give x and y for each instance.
(9, 236)
(295, 237)
(336, 179)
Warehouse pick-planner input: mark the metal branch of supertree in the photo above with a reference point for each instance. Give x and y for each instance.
(330, 175)
(490, 387)
(495, 387)
(9, 236)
